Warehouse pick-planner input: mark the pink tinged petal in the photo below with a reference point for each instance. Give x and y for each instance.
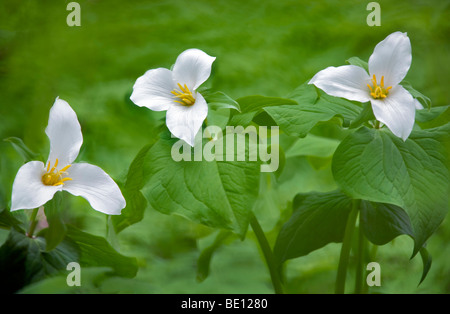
(64, 132)
(396, 111)
(348, 81)
(184, 122)
(391, 58)
(28, 190)
(96, 186)
(193, 68)
(153, 90)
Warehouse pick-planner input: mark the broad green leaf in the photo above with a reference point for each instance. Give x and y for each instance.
(318, 219)
(424, 100)
(219, 100)
(426, 260)
(264, 119)
(433, 117)
(23, 260)
(218, 118)
(312, 145)
(270, 203)
(26, 153)
(218, 194)
(305, 94)
(204, 260)
(56, 230)
(358, 62)
(381, 223)
(298, 120)
(9, 219)
(377, 166)
(136, 203)
(132, 213)
(365, 115)
(253, 105)
(96, 251)
(427, 115)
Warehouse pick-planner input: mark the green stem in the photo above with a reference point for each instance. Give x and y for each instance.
(345, 249)
(268, 255)
(33, 222)
(359, 280)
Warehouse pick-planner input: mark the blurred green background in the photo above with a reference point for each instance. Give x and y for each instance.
(262, 47)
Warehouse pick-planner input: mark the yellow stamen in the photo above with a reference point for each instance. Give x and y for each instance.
(378, 91)
(183, 95)
(55, 178)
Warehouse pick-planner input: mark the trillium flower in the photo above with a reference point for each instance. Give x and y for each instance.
(175, 91)
(389, 63)
(36, 183)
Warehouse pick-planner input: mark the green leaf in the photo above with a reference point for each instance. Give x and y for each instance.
(26, 153)
(424, 100)
(218, 194)
(136, 202)
(381, 223)
(426, 260)
(253, 105)
(377, 166)
(433, 117)
(23, 260)
(219, 100)
(365, 116)
(298, 120)
(318, 219)
(204, 260)
(96, 251)
(312, 145)
(56, 230)
(8, 219)
(427, 115)
(305, 94)
(358, 62)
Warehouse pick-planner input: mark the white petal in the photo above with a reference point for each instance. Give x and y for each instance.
(28, 190)
(96, 186)
(417, 104)
(152, 90)
(184, 122)
(64, 132)
(391, 58)
(193, 67)
(397, 111)
(348, 81)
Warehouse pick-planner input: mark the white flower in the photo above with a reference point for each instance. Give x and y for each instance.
(176, 91)
(36, 183)
(388, 65)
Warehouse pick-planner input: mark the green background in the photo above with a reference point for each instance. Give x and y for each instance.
(262, 47)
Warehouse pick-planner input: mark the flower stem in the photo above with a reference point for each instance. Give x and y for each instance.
(345, 249)
(33, 222)
(268, 254)
(360, 260)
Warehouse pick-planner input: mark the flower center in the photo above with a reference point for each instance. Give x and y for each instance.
(52, 177)
(378, 91)
(183, 95)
